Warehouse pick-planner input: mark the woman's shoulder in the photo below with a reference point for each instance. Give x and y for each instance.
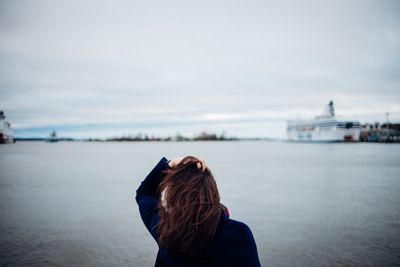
(233, 240)
(239, 227)
(233, 232)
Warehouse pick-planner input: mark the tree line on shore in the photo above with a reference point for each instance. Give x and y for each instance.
(204, 136)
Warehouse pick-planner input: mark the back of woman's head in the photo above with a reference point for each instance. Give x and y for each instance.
(190, 208)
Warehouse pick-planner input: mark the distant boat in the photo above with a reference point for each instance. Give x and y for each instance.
(324, 128)
(6, 133)
(53, 137)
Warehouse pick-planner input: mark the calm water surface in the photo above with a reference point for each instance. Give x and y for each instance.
(72, 204)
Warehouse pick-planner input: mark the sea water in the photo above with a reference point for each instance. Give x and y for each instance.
(72, 203)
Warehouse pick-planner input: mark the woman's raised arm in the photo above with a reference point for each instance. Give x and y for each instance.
(147, 196)
(150, 184)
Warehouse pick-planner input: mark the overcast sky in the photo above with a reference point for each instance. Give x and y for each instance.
(105, 68)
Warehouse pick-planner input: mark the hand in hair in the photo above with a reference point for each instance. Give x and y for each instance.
(202, 165)
(174, 162)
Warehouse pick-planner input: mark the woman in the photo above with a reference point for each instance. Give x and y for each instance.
(180, 206)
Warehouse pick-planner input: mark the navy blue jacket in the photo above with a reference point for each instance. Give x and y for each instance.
(233, 243)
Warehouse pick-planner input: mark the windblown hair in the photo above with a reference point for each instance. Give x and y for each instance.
(190, 210)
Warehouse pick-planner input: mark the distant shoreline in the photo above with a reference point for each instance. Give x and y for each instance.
(119, 140)
(39, 139)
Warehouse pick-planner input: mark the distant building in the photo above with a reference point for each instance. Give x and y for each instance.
(52, 137)
(204, 136)
(376, 132)
(6, 133)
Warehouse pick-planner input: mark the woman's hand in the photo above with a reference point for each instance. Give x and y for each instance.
(173, 162)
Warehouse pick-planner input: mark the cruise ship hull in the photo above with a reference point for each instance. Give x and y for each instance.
(324, 131)
(324, 128)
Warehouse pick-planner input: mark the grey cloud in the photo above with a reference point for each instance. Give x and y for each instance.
(104, 61)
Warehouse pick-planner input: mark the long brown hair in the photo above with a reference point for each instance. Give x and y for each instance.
(190, 210)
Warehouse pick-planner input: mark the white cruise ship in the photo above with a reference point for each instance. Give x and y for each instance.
(324, 128)
(6, 133)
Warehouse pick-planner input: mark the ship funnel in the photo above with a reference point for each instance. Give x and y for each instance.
(329, 110)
